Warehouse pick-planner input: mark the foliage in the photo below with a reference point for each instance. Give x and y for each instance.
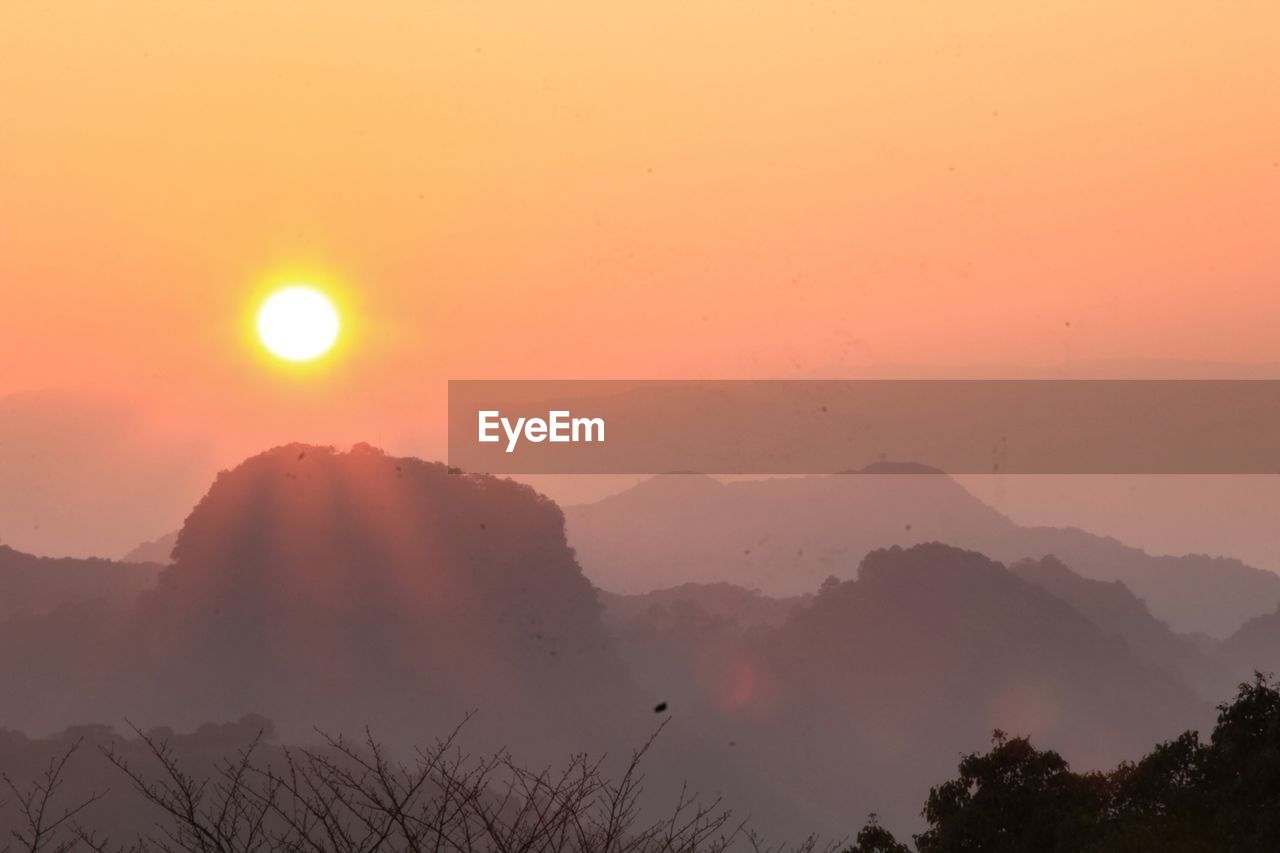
(874, 838)
(1186, 796)
(1014, 798)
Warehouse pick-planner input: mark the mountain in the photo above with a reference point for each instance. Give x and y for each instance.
(736, 607)
(785, 535)
(1192, 593)
(1117, 612)
(876, 687)
(343, 590)
(677, 641)
(707, 615)
(154, 551)
(1254, 648)
(119, 811)
(339, 590)
(35, 585)
(867, 691)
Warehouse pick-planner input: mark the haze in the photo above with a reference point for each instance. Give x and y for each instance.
(712, 191)
(660, 191)
(219, 544)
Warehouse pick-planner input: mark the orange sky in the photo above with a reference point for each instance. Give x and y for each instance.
(623, 189)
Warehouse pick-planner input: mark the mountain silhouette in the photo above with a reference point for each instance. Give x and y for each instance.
(1192, 593)
(158, 550)
(738, 607)
(338, 590)
(866, 691)
(1119, 613)
(35, 585)
(881, 681)
(1254, 648)
(785, 535)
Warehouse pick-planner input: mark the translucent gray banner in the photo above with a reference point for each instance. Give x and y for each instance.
(824, 427)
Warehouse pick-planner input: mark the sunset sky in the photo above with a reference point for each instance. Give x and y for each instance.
(620, 190)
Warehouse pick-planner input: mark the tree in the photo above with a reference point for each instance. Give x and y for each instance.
(1185, 796)
(43, 819)
(874, 838)
(349, 796)
(1015, 798)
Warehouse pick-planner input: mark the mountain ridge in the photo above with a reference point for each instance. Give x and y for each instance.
(785, 535)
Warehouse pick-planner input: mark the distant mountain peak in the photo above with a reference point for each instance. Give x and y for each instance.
(785, 534)
(890, 467)
(159, 550)
(671, 487)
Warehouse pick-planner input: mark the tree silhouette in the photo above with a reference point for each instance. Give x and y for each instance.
(1185, 796)
(356, 797)
(42, 817)
(874, 838)
(1014, 798)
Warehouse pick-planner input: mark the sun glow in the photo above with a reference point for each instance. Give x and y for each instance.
(298, 323)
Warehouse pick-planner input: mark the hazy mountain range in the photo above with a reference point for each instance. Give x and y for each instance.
(784, 536)
(822, 646)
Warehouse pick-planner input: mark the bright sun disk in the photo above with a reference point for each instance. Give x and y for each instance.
(298, 323)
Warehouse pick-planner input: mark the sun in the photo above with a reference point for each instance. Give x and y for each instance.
(298, 323)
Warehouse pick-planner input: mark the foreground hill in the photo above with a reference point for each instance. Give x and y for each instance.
(371, 589)
(340, 590)
(785, 536)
